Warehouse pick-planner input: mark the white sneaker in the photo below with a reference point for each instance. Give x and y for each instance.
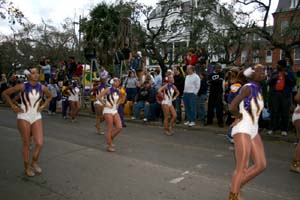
(270, 132)
(192, 124)
(284, 133)
(186, 123)
(133, 118)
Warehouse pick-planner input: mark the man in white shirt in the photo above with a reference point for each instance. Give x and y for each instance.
(157, 79)
(191, 88)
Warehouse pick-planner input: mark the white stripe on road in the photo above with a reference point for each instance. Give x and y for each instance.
(177, 180)
(185, 173)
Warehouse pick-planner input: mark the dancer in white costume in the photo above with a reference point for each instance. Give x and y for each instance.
(295, 166)
(99, 106)
(110, 111)
(246, 108)
(29, 119)
(170, 93)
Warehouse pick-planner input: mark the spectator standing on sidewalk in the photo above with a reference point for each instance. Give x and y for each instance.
(202, 98)
(47, 70)
(66, 92)
(179, 83)
(281, 85)
(191, 88)
(55, 92)
(126, 51)
(61, 74)
(72, 66)
(118, 59)
(131, 85)
(216, 96)
(157, 79)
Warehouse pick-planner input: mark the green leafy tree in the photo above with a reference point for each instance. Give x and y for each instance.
(108, 27)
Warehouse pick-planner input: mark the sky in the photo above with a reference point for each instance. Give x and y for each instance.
(58, 10)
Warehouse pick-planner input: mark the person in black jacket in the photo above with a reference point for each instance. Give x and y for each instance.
(201, 98)
(281, 83)
(215, 99)
(142, 101)
(179, 83)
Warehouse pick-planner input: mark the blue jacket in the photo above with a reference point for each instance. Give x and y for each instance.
(290, 82)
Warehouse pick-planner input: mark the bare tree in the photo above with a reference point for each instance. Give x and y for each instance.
(155, 38)
(286, 39)
(10, 12)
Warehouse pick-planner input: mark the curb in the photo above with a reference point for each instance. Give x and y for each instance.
(291, 138)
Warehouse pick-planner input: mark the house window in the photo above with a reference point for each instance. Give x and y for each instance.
(243, 57)
(269, 56)
(282, 55)
(294, 3)
(283, 27)
(256, 37)
(256, 57)
(297, 53)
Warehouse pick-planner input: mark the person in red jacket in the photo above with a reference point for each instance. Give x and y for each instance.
(192, 58)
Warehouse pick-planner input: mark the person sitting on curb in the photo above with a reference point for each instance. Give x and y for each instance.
(142, 101)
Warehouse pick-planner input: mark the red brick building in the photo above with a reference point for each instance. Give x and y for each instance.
(287, 29)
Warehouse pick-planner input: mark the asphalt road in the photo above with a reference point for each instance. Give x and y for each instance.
(147, 165)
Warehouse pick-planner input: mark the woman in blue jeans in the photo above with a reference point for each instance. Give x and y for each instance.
(131, 84)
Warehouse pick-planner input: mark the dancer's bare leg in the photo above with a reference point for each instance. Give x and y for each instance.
(242, 153)
(166, 111)
(259, 160)
(173, 117)
(109, 129)
(118, 123)
(25, 131)
(38, 136)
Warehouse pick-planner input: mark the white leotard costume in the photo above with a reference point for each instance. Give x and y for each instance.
(296, 115)
(111, 101)
(168, 95)
(74, 94)
(250, 108)
(31, 98)
(99, 90)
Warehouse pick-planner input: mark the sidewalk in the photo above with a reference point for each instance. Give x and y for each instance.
(291, 138)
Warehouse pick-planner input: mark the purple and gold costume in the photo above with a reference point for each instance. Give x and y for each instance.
(250, 108)
(111, 101)
(168, 94)
(31, 98)
(99, 90)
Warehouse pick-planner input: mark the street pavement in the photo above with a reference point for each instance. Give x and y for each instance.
(192, 164)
